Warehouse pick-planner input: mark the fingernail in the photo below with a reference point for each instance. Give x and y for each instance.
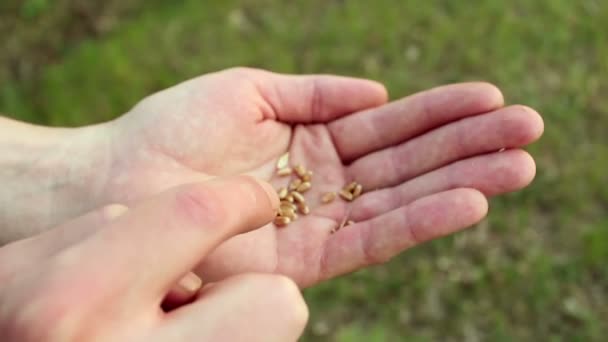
(113, 211)
(272, 194)
(190, 282)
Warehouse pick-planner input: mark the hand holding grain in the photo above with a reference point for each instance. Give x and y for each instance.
(107, 275)
(427, 162)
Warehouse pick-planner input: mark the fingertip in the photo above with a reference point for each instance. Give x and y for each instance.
(380, 92)
(525, 169)
(268, 190)
(483, 96)
(536, 124)
(474, 203)
(492, 95)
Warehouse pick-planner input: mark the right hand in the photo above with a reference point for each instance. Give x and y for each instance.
(105, 275)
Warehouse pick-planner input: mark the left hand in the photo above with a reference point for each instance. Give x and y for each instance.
(431, 159)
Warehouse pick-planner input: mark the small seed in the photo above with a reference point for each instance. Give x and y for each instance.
(289, 198)
(283, 161)
(295, 184)
(349, 222)
(286, 171)
(328, 197)
(308, 176)
(346, 195)
(303, 208)
(304, 187)
(300, 170)
(282, 193)
(287, 206)
(281, 221)
(357, 190)
(350, 187)
(298, 197)
(288, 212)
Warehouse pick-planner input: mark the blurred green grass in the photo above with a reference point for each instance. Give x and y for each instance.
(536, 269)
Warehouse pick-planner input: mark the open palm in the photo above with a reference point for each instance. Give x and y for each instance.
(426, 161)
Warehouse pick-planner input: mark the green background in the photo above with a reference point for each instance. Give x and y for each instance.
(535, 270)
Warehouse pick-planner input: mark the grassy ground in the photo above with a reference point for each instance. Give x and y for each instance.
(535, 270)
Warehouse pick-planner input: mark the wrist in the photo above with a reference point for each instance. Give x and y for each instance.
(49, 175)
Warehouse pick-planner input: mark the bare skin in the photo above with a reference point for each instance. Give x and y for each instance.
(427, 161)
(84, 281)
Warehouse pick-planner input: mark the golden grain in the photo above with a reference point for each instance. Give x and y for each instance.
(295, 184)
(328, 197)
(346, 195)
(350, 187)
(357, 190)
(349, 222)
(308, 176)
(283, 161)
(282, 193)
(281, 221)
(287, 205)
(298, 197)
(305, 186)
(300, 170)
(288, 212)
(303, 208)
(289, 198)
(286, 171)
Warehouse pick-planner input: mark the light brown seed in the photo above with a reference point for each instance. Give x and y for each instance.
(287, 206)
(297, 197)
(346, 195)
(283, 161)
(308, 176)
(286, 171)
(300, 170)
(288, 212)
(295, 184)
(350, 187)
(282, 193)
(281, 221)
(328, 197)
(303, 208)
(289, 198)
(305, 186)
(349, 222)
(357, 190)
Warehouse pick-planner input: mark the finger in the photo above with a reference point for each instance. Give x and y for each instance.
(164, 237)
(492, 174)
(510, 127)
(42, 246)
(248, 307)
(379, 239)
(315, 98)
(404, 119)
(183, 292)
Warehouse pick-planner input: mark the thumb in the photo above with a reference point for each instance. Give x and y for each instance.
(166, 236)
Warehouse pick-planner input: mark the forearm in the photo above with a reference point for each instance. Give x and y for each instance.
(47, 176)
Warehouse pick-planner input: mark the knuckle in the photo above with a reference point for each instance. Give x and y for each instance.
(199, 205)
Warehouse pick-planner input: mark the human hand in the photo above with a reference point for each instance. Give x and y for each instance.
(103, 276)
(431, 156)
(420, 153)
